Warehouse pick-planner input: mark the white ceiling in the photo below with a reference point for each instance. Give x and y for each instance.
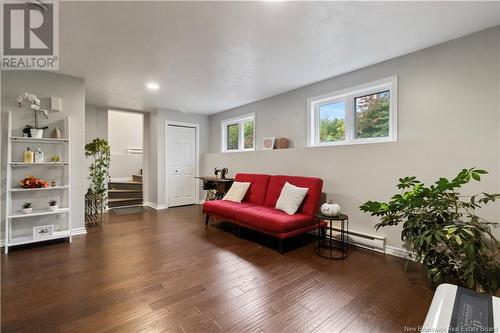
(213, 56)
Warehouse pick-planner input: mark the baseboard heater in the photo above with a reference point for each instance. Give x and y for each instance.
(371, 242)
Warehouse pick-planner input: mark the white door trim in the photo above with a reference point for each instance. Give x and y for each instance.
(197, 155)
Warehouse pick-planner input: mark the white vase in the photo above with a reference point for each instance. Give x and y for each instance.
(36, 133)
(52, 208)
(27, 210)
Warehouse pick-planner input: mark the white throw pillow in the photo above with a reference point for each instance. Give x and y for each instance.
(290, 198)
(237, 192)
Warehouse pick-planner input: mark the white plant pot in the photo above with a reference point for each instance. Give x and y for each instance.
(52, 208)
(27, 210)
(36, 133)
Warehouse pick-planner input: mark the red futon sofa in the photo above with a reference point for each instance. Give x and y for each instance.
(257, 212)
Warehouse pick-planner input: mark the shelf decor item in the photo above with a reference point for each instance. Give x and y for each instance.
(52, 205)
(268, 143)
(100, 153)
(32, 182)
(56, 133)
(28, 156)
(281, 143)
(34, 105)
(43, 231)
(442, 230)
(27, 208)
(39, 156)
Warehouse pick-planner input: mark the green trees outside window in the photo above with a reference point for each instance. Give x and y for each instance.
(248, 130)
(332, 122)
(232, 137)
(372, 115)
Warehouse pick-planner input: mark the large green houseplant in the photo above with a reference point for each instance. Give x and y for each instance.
(100, 152)
(442, 230)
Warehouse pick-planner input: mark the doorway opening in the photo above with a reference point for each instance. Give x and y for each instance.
(182, 163)
(125, 138)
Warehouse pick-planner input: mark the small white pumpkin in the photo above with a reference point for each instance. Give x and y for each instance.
(330, 209)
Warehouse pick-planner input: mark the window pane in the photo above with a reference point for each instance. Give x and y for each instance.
(372, 115)
(332, 122)
(248, 134)
(232, 137)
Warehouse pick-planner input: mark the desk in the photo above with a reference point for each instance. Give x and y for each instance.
(216, 187)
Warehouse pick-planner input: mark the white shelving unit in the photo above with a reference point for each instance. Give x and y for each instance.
(19, 227)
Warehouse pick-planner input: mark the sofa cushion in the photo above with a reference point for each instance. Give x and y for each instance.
(224, 208)
(237, 192)
(256, 194)
(310, 204)
(291, 198)
(276, 221)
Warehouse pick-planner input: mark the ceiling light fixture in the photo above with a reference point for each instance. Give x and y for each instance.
(152, 86)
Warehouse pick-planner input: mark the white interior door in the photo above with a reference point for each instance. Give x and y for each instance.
(181, 160)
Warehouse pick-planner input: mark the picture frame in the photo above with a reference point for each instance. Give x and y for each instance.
(268, 143)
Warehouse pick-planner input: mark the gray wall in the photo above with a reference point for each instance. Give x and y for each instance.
(157, 167)
(72, 91)
(96, 123)
(448, 119)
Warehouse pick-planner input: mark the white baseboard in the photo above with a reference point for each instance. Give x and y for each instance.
(78, 231)
(397, 252)
(154, 206)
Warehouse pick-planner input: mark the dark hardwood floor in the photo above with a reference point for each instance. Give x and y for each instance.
(165, 272)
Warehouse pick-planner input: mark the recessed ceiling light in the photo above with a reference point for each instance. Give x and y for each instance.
(152, 86)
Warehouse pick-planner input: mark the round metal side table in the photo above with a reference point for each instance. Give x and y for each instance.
(328, 246)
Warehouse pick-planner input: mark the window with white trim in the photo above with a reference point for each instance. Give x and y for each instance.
(362, 114)
(238, 134)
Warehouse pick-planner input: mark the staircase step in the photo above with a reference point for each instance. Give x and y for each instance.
(137, 178)
(125, 204)
(116, 194)
(113, 203)
(131, 185)
(114, 191)
(123, 199)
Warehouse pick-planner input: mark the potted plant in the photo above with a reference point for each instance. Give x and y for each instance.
(442, 230)
(100, 152)
(52, 205)
(27, 207)
(34, 105)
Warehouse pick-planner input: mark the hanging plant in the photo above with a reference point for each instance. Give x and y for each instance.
(442, 230)
(100, 153)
